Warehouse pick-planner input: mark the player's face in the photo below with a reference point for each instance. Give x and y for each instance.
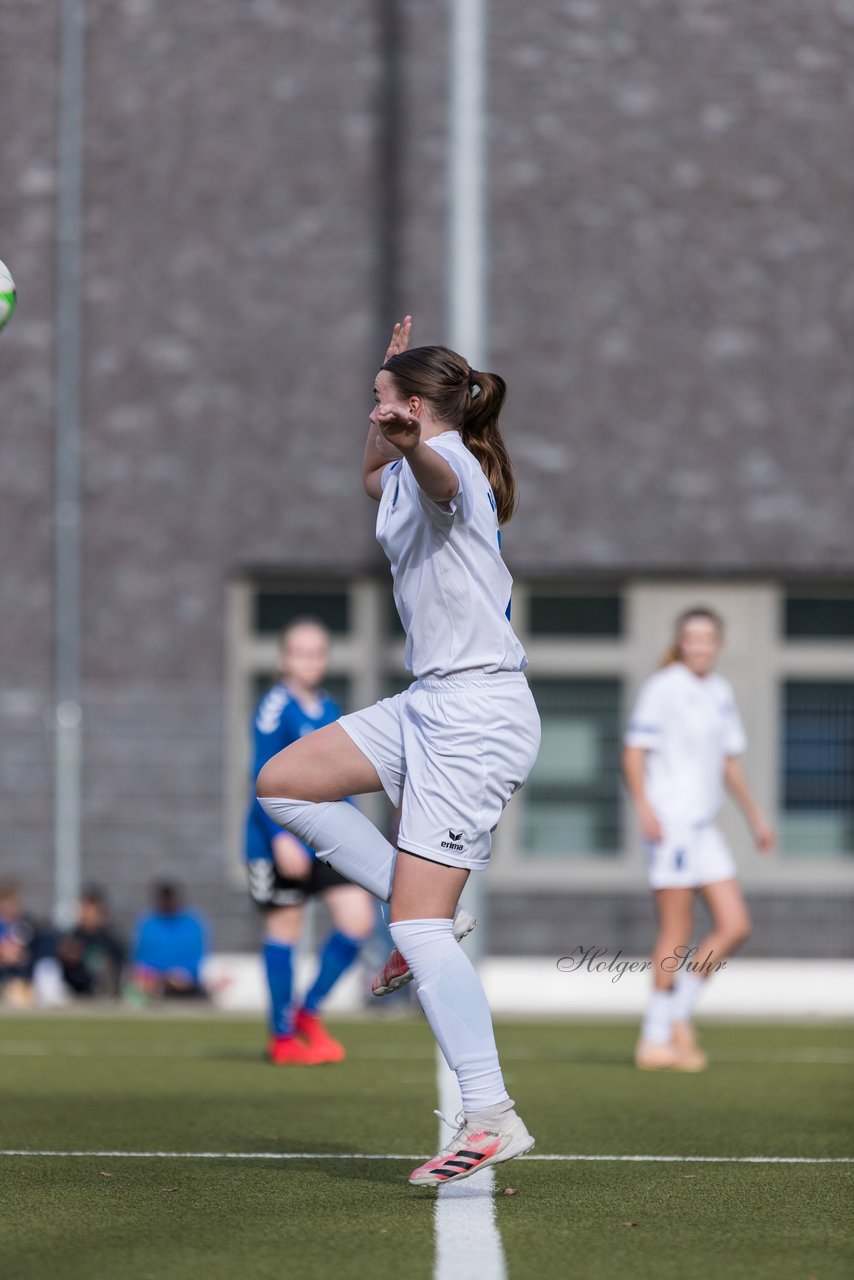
(699, 645)
(305, 657)
(92, 915)
(385, 392)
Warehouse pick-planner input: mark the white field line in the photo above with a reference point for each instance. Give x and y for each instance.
(394, 1155)
(465, 1225)
(808, 1055)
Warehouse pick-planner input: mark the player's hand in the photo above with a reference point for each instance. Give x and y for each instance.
(291, 858)
(765, 836)
(399, 427)
(399, 338)
(651, 828)
(385, 448)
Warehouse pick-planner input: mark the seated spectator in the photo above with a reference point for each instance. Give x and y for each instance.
(92, 955)
(29, 972)
(170, 947)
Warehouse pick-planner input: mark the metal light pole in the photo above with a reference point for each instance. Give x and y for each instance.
(466, 291)
(466, 281)
(68, 716)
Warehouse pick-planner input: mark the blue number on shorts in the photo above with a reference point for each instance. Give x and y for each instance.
(678, 859)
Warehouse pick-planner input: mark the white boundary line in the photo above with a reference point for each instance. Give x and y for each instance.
(465, 1224)
(817, 1055)
(356, 1155)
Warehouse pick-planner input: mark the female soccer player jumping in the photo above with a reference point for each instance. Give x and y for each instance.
(682, 746)
(453, 747)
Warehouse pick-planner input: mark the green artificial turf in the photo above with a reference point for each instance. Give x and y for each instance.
(147, 1084)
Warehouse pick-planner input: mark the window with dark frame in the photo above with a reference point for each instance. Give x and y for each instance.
(572, 800)
(817, 792)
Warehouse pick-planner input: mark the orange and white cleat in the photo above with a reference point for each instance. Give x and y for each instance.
(688, 1054)
(323, 1046)
(396, 972)
(290, 1051)
(473, 1147)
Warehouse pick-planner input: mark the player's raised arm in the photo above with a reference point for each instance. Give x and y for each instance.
(378, 454)
(435, 477)
(378, 451)
(399, 338)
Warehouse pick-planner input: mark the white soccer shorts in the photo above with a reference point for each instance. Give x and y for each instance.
(451, 750)
(689, 857)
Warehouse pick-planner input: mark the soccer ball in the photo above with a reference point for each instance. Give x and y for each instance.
(8, 296)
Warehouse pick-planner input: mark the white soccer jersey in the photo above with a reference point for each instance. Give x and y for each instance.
(689, 725)
(451, 587)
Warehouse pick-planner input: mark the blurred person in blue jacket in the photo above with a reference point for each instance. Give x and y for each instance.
(284, 873)
(170, 946)
(29, 971)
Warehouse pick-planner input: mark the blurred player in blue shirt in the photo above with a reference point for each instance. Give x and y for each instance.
(170, 945)
(284, 873)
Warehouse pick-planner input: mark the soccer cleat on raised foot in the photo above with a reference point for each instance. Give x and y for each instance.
(289, 1051)
(322, 1045)
(474, 1146)
(396, 972)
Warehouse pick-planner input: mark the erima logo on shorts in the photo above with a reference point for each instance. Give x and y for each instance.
(452, 843)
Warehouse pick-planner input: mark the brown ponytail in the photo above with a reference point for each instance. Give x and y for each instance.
(671, 654)
(481, 434)
(463, 397)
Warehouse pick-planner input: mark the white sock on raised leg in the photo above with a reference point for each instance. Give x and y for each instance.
(340, 835)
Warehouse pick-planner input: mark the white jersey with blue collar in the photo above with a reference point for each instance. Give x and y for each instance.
(451, 586)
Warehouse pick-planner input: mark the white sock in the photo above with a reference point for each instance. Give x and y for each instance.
(501, 1111)
(689, 987)
(658, 1019)
(455, 1006)
(340, 835)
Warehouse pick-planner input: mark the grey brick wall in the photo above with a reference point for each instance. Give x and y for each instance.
(231, 205)
(27, 236)
(673, 281)
(672, 290)
(793, 926)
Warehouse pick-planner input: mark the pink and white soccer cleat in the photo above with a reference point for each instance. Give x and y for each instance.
(473, 1147)
(396, 972)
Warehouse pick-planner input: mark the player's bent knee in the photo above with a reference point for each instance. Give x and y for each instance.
(275, 780)
(265, 785)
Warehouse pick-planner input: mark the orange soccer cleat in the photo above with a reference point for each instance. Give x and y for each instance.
(290, 1051)
(319, 1042)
